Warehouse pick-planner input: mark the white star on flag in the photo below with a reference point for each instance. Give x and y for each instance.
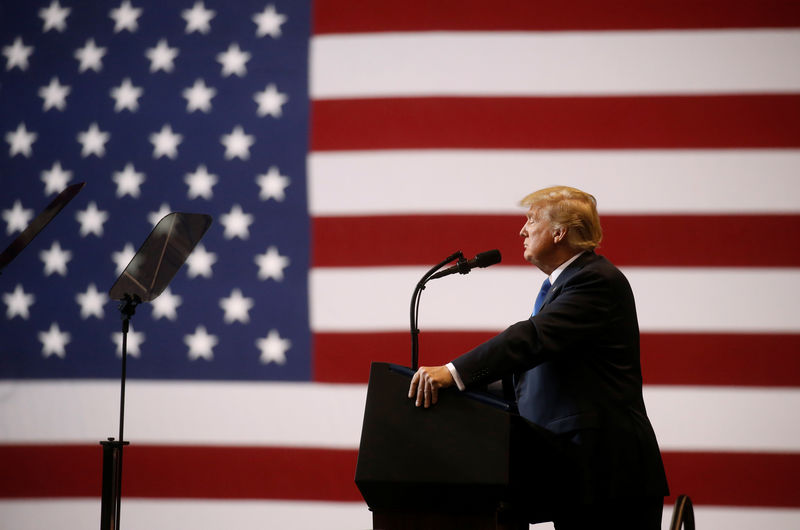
(155, 217)
(269, 22)
(237, 307)
(54, 341)
(233, 61)
(198, 18)
(165, 142)
(198, 96)
(17, 54)
(90, 56)
(237, 144)
(21, 141)
(93, 141)
(55, 259)
(134, 342)
(201, 344)
(17, 218)
(18, 303)
(54, 95)
(270, 101)
(55, 179)
(91, 220)
(54, 17)
(125, 17)
(161, 57)
(123, 257)
(128, 181)
(199, 262)
(200, 183)
(236, 223)
(126, 96)
(166, 305)
(273, 348)
(272, 184)
(271, 264)
(91, 302)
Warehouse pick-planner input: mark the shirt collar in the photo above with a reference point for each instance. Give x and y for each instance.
(556, 273)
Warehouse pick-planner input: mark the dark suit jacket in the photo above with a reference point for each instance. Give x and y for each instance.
(577, 372)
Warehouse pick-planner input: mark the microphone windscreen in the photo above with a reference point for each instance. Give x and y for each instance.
(485, 259)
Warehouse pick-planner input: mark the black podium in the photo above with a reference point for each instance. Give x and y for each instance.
(468, 462)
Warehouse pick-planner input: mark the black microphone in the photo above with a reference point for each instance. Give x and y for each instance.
(484, 259)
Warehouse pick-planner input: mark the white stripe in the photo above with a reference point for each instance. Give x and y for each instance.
(729, 418)
(493, 181)
(140, 514)
(731, 518)
(235, 414)
(205, 514)
(733, 300)
(562, 63)
(209, 413)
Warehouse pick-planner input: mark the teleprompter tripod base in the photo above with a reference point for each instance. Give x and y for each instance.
(112, 484)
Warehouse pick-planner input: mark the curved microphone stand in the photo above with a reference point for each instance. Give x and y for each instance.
(415, 303)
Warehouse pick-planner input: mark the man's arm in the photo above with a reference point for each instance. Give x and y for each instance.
(585, 313)
(579, 316)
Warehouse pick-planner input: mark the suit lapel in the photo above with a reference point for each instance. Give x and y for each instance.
(568, 273)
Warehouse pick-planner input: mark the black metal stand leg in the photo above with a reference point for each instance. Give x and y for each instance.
(111, 502)
(112, 484)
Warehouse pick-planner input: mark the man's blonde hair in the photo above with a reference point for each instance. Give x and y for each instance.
(572, 209)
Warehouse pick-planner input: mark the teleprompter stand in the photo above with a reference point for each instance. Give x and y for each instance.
(37, 225)
(143, 280)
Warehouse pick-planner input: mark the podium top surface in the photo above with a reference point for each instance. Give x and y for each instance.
(481, 397)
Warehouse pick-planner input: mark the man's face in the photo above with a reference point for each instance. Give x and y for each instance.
(539, 244)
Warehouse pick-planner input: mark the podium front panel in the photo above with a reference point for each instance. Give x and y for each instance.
(460, 455)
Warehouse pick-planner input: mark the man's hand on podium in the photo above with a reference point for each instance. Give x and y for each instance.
(426, 383)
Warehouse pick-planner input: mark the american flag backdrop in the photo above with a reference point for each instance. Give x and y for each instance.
(343, 147)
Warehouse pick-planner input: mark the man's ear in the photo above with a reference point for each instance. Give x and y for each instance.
(560, 234)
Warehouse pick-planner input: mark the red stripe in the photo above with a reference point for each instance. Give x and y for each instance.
(721, 359)
(557, 122)
(735, 479)
(190, 472)
(629, 240)
(667, 359)
(350, 16)
(346, 357)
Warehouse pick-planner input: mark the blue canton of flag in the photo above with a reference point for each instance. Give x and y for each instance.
(179, 106)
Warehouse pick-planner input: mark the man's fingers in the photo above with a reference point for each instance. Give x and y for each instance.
(431, 393)
(412, 389)
(417, 384)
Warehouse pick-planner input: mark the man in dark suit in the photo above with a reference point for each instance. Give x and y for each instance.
(576, 370)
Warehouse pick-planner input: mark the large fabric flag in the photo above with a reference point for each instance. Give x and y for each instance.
(342, 148)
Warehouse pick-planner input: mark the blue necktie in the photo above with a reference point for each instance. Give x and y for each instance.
(542, 295)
